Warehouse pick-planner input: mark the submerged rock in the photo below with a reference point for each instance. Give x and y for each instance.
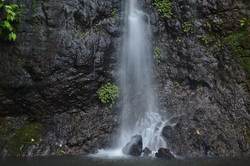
(164, 153)
(134, 147)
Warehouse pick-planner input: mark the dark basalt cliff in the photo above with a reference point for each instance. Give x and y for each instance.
(65, 51)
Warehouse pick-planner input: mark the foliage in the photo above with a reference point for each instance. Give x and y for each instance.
(176, 83)
(234, 41)
(244, 22)
(157, 54)
(164, 7)
(239, 42)
(9, 16)
(114, 12)
(81, 34)
(108, 93)
(178, 39)
(187, 26)
(208, 38)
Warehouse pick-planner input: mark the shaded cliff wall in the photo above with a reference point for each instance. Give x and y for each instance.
(201, 76)
(49, 78)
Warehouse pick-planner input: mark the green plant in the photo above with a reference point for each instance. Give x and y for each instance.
(80, 34)
(239, 42)
(157, 54)
(199, 88)
(21, 147)
(208, 38)
(244, 22)
(187, 26)
(164, 7)
(114, 12)
(9, 16)
(176, 83)
(178, 39)
(108, 93)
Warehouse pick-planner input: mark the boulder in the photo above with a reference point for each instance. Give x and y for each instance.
(146, 151)
(164, 153)
(134, 147)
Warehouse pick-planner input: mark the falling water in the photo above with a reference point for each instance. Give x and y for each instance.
(139, 111)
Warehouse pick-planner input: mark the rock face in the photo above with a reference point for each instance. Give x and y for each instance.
(202, 76)
(164, 153)
(65, 51)
(134, 147)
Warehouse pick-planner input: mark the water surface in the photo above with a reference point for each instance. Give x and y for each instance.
(121, 161)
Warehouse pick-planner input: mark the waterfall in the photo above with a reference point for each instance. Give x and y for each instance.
(139, 109)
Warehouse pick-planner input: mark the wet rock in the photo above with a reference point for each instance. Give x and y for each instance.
(199, 83)
(164, 153)
(146, 151)
(134, 147)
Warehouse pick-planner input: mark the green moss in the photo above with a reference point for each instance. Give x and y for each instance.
(81, 34)
(178, 39)
(207, 38)
(246, 63)
(99, 29)
(157, 54)
(240, 44)
(114, 13)
(176, 83)
(215, 44)
(234, 41)
(164, 7)
(25, 137)
(188, 26)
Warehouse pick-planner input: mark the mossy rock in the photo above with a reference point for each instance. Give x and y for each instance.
(246, 62)
(25, 137)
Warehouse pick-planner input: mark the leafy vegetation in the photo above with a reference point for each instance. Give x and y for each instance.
(108, 93)
(176, 83)
(178, 39)
(187, 26)
(114, 12)
(9, 16)
(164, 7)
(157, 54)
(244, 22)
(234, 41)
(81, 34)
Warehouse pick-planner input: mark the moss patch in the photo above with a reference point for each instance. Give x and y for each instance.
(164, 7)
(25, 137)
(246, 63)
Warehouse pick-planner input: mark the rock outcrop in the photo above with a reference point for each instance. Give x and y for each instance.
(164, 153)
(146, 151)
(134, 146)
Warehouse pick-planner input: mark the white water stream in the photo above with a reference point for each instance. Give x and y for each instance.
(139, 112)
(139, 108)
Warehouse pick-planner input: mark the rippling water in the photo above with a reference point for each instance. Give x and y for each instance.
(121, 161)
